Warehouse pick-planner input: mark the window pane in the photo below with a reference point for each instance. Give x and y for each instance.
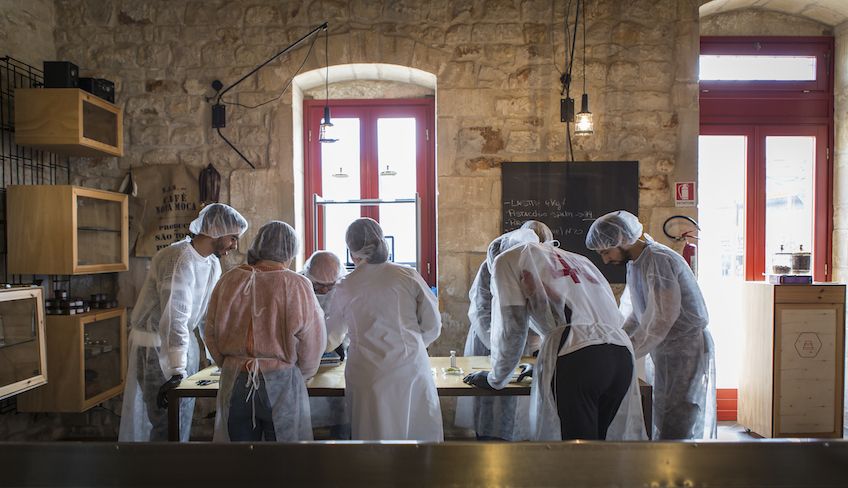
(758, 68)
(721, 257)
(340, 180)
(789, 193)
(396, 149)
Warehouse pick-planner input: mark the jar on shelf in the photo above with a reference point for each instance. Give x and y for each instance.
(781, 262)
(800, 262)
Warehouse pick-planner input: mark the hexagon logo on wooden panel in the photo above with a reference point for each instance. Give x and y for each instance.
(808, 344)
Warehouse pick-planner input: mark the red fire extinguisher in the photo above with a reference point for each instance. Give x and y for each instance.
(690, 252)
(672, 227)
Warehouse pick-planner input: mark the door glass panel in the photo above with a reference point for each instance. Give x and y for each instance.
(20, 354)
(789, 193)
(102, 367)
(396, 150)
(721, 259)
(99, 226)
(340, 180)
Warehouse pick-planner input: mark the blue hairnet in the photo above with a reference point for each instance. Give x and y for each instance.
(218, 220)
(364, 238)
(615, 229)
(275, 241)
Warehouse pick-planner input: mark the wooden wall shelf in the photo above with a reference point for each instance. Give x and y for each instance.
(66, 230)
(68, 121)
(87, 356)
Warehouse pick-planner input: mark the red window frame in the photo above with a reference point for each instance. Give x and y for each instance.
(759, 109)
(369, 111)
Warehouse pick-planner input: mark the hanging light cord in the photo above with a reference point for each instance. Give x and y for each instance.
(569, 53)
(327, 66)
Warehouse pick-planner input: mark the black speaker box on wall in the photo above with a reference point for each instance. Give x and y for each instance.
(60, 74)
(99, 87)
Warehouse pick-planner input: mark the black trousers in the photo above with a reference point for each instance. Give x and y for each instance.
(589, 385)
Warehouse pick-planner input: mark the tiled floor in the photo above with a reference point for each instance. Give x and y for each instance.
(729, 431)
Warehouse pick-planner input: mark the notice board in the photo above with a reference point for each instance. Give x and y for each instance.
(568, 197)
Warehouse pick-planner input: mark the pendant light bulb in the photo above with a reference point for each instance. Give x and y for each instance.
(323, 137)
(583, 124)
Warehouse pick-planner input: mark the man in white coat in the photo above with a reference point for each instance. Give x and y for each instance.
(585, 382)
(163, 348)
(391, 317)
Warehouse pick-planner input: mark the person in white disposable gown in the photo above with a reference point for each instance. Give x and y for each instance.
(585, 381)
(266, 330)
(668, 321)
(391, 316)
(163, 348)
(324, 269)
(496, 417)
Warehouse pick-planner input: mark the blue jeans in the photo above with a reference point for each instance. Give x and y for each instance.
(240, 424)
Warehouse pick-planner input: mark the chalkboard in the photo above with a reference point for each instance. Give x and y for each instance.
(568, 197)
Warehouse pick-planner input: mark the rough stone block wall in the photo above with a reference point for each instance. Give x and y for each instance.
(26, 30)
(840, 156)
(497, 65)
(758, 22)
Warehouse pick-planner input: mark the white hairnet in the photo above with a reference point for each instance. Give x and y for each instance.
(218, 220)
(541, 230)
(615, 229)
(507, 241)
(324, 268)
(364, 238)
(275, 241)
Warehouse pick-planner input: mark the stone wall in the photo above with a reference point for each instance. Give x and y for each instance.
(26, 30)
(497, 98)
(840, 156)
(758, 22)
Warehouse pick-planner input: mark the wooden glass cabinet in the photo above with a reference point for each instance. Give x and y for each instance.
(66, 230)
(87, 357)
(22, 349)
(68, 121)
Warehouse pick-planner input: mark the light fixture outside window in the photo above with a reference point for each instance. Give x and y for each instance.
(340, 174)
(388, 172)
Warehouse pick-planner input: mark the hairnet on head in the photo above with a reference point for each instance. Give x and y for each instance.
(364, 238)
(541, 230)
(275, 241)
(323, 267)
(615, 229)
(218, 220)
(507, 241)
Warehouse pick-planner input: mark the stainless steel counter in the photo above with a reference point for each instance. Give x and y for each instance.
(647, 464)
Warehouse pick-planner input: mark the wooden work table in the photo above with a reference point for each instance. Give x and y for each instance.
(330, 382)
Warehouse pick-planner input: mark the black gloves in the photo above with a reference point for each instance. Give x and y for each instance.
(526, 371)
(162, 398)
(341, 352)
(480, 379)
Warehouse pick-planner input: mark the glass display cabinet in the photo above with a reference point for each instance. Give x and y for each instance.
(22, 342)
(87, 357)
(68, 121)
(66, 230)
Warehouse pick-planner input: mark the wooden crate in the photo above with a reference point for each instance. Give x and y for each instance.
(66, 230)
(70, 359)
(68, 121)
(792, 381)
